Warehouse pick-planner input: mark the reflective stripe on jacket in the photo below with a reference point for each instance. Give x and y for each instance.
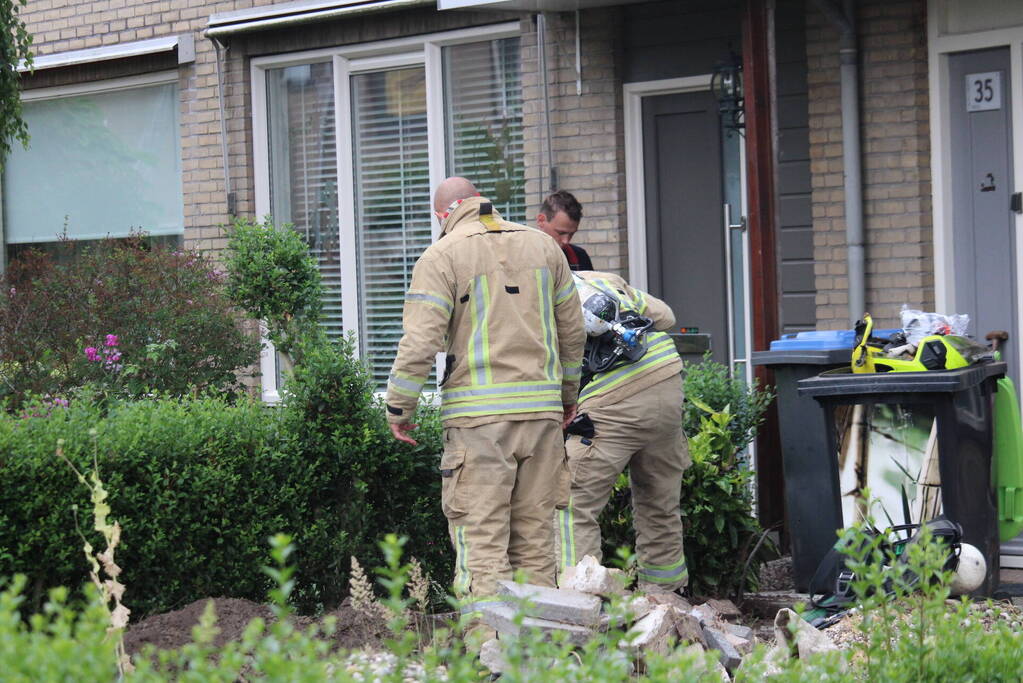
(499, 299)
(661, 358)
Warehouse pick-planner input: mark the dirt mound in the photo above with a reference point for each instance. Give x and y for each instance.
(174, 629)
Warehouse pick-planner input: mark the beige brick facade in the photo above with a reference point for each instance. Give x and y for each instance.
(896, 162)
(587, 132)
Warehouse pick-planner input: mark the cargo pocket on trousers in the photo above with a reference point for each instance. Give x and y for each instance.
(564, 491)
(452, 493)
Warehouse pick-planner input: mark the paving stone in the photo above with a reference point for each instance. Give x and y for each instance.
(555, 604)
(591, 577)
(492, 656)
(669, 598)
(652, 633)
(790, 629)
(502, 617)
(767, 604)
(739, 630)
(688, 628)
(729, 656)
(725, 609)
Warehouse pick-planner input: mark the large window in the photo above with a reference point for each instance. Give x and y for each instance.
(354, 141)
(101, 163)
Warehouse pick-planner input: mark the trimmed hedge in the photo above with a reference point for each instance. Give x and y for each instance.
(198, 485)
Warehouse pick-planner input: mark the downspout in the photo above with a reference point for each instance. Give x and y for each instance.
(844, 19)
(541, 47)
(220, 48)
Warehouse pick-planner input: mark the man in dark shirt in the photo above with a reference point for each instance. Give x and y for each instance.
(559, 217)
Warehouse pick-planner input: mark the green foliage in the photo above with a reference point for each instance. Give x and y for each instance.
(712, 384)
(272, 278)
(15, 45)
(724, 543)
(174, 330)
(198, 484)
(913, 636)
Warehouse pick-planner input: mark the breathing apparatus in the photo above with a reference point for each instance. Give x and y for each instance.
(615, 335)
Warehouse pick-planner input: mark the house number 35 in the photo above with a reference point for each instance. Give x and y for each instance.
(984, 91)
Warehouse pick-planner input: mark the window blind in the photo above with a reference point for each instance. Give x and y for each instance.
(99, 165)
(483, 117)
(392, 187)
(303, 164)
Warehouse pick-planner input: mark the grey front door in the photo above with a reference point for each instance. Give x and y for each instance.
(684, 221)
(982, 184)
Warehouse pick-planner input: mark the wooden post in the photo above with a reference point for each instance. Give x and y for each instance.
(761, 169)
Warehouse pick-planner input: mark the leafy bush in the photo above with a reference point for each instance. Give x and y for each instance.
(724, 544)
(174, 330)
(273, 278)
(199, 484)
(711, 383)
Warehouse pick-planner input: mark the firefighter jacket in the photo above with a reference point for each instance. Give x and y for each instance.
(499, 299)
(660, 361)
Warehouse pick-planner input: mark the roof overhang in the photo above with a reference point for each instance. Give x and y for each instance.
(184, 44)
(532, 5)
(300, 12)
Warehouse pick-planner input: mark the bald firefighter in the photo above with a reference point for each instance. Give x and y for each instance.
(630, 415)
(499, 299)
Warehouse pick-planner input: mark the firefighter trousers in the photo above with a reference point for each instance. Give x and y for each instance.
(500, 484)
(644, 433)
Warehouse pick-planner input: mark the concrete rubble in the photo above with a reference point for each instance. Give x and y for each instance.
(593, 599)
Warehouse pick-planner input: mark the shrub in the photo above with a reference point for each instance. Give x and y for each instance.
(273, 278)
(714, 385)
(174, 329)
(199, 484)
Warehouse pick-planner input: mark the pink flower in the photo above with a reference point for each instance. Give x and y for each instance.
(92, 354)
(111, 340)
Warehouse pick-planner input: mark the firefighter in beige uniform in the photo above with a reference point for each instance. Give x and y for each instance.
(500, 300)
(636, 411)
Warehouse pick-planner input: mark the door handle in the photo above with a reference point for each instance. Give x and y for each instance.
(1016, 202)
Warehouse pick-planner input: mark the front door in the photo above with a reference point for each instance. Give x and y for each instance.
(982, 184)
(984, 240)
(690, 248)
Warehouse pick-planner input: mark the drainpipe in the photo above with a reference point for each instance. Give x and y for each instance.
(221, 49)
(541, 47)
(844, 19)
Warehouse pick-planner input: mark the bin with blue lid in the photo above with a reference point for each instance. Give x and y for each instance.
(811, 510)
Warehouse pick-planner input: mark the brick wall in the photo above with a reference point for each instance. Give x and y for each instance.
(896, 162)
(586, 129)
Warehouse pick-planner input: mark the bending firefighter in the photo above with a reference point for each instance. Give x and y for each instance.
(632, 397)
(499, 299)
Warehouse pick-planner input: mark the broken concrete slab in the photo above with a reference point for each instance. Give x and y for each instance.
(744, 632)
(653, 633)
(725, 609)
(669, 598)
(729, 656)
(492, 656)
(591, 577)
(742, 645)
(688, 628)
(555, 604)
(502, 617)
(798, 636)
(767, 604)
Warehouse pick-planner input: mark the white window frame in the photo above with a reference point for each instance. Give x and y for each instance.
(347, 61)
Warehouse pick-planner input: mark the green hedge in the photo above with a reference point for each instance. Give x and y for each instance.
(198, 485)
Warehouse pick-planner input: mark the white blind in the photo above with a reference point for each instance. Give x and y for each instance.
(303, 170)
(483, 102)
(392, 187)
(100, 164)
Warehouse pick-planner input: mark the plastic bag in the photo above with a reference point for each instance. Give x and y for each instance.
(919, 324)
